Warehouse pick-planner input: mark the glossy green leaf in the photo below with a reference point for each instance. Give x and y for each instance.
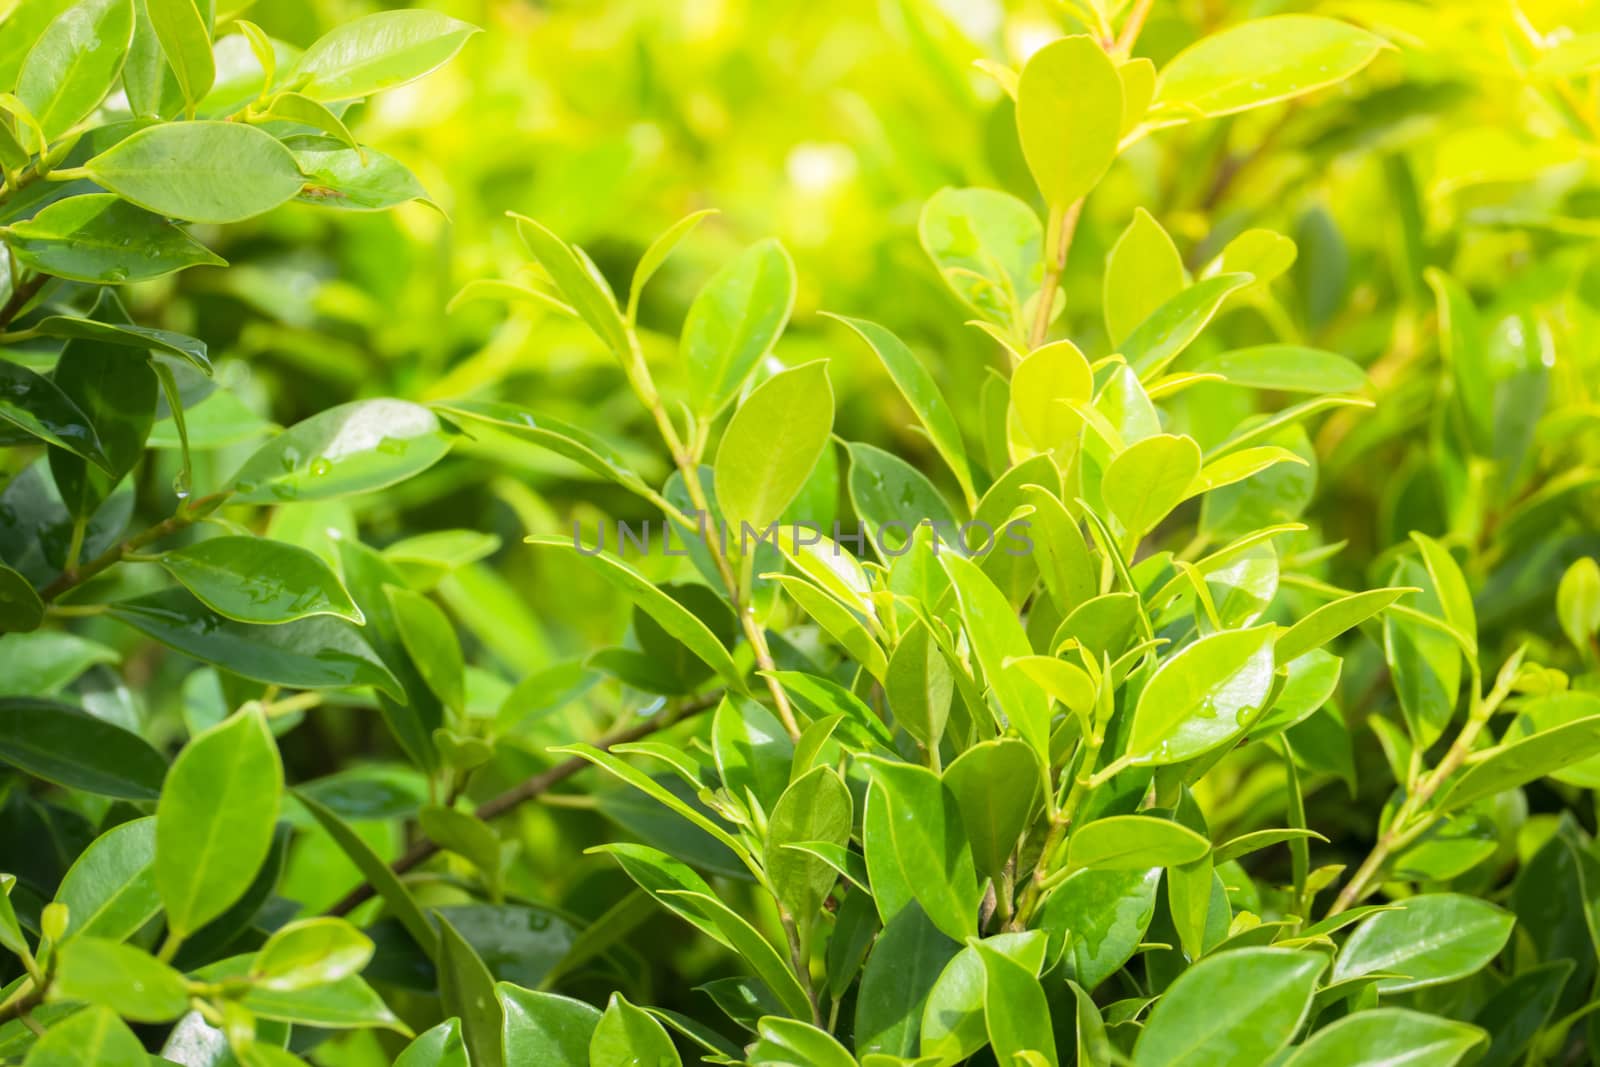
(199, 171)
(1384, 1036)
(340, 176)
(103, 239)
(546, 1028)
(1069, 117)
(258, 580)
(734, 322)
(376, 871)
(790, 1041)
(1525, 760)
(901, 972)
(184, 30)
(1455, 596)
(215, 818)
(439, 1047)
(893, 498)
(1014, 1007)
(1134, 843)
(816, 808)
(919, 686)
(929, 845)
(1143, 271)
(35, 405)
(1430, 939)
(468, 992)
(380, 51)
(1316, 628)
(351, 448)
(74, 63)
(1043, 387)
(771, 445)
(626, 1034)
(61, 744)
(110, 889)
(431, 641)
(128, 980)
(93, 1036)
(997, 637)
(21, 610)
(987, 244)
(1168, 330)
(996, 786)
(310, 952)
(1096, 919)
(1234, 1009)
(1287, 368)
(953, 1019)
(1203, 697)
(580, 283)
(1147, 480)
(1260, 62)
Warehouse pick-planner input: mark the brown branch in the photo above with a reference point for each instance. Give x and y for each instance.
(186, 516)
(529, 789)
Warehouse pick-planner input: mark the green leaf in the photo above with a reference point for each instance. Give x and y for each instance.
(1385, 1036)
(431, 641)
(917, 385)
(771, 445)
(892, 497)
(988, 245)
(103, 239)
(901, 972)
(1287, 368)
(199, 171)
(1069, 117)
(1261, 62)
(670, 615)
(1172, 327)
(578, 280)
(658, 253)
(650, 787)
(1455, 596)
(734, 322)
(1429, 939)
(1042, 387)
(439, 1047)
(1143, 272)
(997, 636)
(74, 63)
(350, 448)
(310, 952)
(919, 686)
(1317, 628)
(562, 438)
(36, 405)
(1096, 919)
(21, 610)
(340, 176)
(255, 579)
(77, 750)
(1015, 1010)
(816, 808)
(790, 1041)
(215, 818)
(377, 873)
(996, 785)
(128, 980)
(110, 889)
(468, 992)
(1520, 762)
(545, 1028)
(378, 52)
(185, 35)
(94, 1037)
(1134, 843)
(1203, 697)
(1147, 480)
(129, 336)
(1425, 662)
(1578, 602)
(953, 1018)
(313, 653)
(43, 662)
(929, 845)
(1234, 1009)
(627, 1035)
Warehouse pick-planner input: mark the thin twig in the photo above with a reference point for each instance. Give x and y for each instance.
(185, 517)
(1066, 226)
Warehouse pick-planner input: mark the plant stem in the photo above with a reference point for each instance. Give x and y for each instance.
(186, 516)
(21, 297)
(1063, 224)
(530, 788)
(1133, 27)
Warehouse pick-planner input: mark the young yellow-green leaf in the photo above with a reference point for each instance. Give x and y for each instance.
(110, 890)
(128, 980)
(380, 51)
(94, 1037)
(185, 35)
(1261, 62)
(771, 445)
(997, 789)
(917, 385)
(256, 579)
(200, 171)
(1202, 697)
(544, 1027)
(431, 641)
(734, 321)
(815, 808)
(580, 283)
(659, 252)
(74, 63)
(1143, 271)
(1522, 761)
(214, 822)
(919, 686)
(1134, 843)
(1429, 939)
(439, 1047)
(784, 1041)
(1263, 254)
(1015, 1010)
(352, 179)
(997, 636)
(350, 448)
(1318, 627)
(72, 748)
(1069, 117)
(103, 239)
(1289, 368)
(1455, 596)
(1233, 1009)
(989, 247)
(310, 952)
(1173, 326)
(1382, 1037)
(1042, 386)
(563, 438)
(1578, 602)
(1237, 466)
(929, 845)
(629, 1035)
(1147, 480)
(304, 111)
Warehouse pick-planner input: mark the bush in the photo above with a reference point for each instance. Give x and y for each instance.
(1188, 659)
